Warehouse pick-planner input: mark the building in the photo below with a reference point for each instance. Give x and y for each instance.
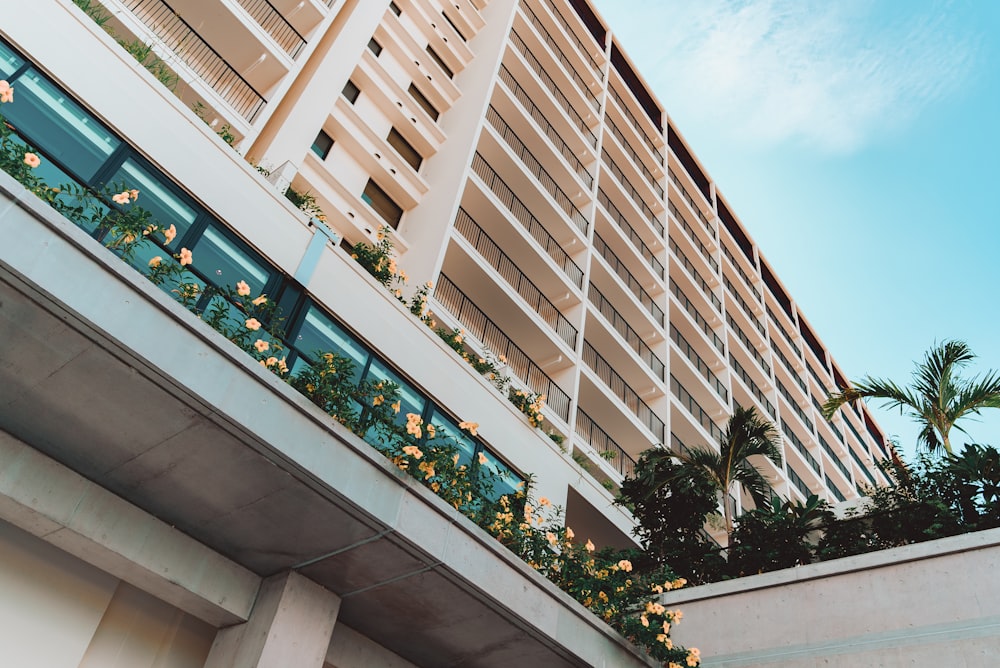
(156, 482)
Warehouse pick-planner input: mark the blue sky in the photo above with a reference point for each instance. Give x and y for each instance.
(859, 143)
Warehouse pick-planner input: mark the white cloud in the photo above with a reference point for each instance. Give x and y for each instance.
(830, 75)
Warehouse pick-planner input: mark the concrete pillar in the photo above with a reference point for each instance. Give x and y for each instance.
(291, 625)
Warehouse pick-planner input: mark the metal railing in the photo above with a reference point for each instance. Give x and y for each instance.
(510, 272)
(622, 390)
(743, 274)
(631, 191)
(631, 337)
(636, 125)
(784, 332)
(531, 224)
(271, 20)
(536, 114)
(833, 488)
(694, 408)
(699, 363)
(630, 233)
(533, 167)
(696, 316)
(554, 89)
(748, 381)
(561, 57)
(748, 344)
(180, 38)
(743, 304)
(636, 160)
(690, 200)
(596, 70)
(861, 465)
(834, 458)
(857, 435)
(787, 364)
(795, 406)
(815, 375)
(623, 273)
(479, 325)
(800, 446)
(699, 281)
(600, 441)
(799, 483)
(692, 237)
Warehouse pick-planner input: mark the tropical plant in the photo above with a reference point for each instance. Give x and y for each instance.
(768, 539)
(938, 398)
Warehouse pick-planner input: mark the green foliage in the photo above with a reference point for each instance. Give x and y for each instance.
(529, 403)
(777, 536)
(303, 201)
(225, 133)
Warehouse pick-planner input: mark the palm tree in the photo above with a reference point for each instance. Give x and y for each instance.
(746, 434)
(938, 397)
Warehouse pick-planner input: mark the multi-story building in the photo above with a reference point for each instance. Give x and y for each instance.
(525, 169)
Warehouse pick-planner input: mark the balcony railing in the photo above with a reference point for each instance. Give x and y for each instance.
(751, 348)
(837, 494)
(553, 88)
(631, 337)
(536, 115)
(623, 273)
(510, 272)
(819, 381)
(694, 408)
(748, 381)
(861, 465)
(743, 304)
(561, 57)
(636, 160)
(692, 237)
(631, 191)
(600, 441)
(535, 169)
(699, 364)
(739, 270)
(180, 38)
(834, 458)
(622, 390)
(630, 232)
(690, 200)
(784, 332)
(701, 282)
(800, 446)
(696, 315)
(798, 482)
(854, 431)
(795, 406)
(479, 325)
(595, 68)
(787, 364)
(636, 125)
(271, 20)
(522, 215)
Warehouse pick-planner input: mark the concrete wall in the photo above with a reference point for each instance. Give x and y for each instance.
(931, 604)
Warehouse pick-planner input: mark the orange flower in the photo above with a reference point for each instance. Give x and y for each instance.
(185, 257)
(242, 289)
(6, 92)
(590, 546)
(282, 367)
(271, 361)
(120, 198)
(569, 534)
(470, 427)
(543, 502)
(169, 234)
(155, 262)
(430, 431)
(31, 160)
(395, 406)
(260, 300)
(134, 193)
(252, 324)
(412, 451)
(261, 345)
(482, 459)
(377, 401)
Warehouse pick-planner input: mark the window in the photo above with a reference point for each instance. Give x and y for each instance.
(374, 47)
(395, 8)
(405, 149)
(437, 59)
(351, 91)
(322, 144)
(455, 27)
(382, 203)
(424, 103)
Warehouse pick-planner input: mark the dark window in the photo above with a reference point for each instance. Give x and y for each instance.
(374, 46)
(405, 149)
(455, 27)
(424, 103)
(351, 91)
(322, 145)
(437, 59)
(395, 8)
(382, 203)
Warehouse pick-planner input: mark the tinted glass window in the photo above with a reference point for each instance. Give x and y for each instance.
(9, 63)
(225, 264)
(319, 334)
(167, 207)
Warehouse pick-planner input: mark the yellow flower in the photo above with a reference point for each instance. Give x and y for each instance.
(625, 565)
(155, 262)
(569, 534)
(666, 627)
(644, 619)
(32, 160)
(551, 537)
(282, 367)
(377, 401)
(412, 451)
(252, 324)
(260, 300)
(120, 198)
(185, 257)
(271, 361)
(134, 193)
(454, 459)
(242, 289)
(395, 406)
(261, 345)
(6, 92)
(430, 431)
(169, 234)
(590, 546)
(470, 427)
(544, 502)
(482, 459)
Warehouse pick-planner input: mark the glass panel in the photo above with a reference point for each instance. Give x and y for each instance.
(465, 443)
(69, 133)
(225, 265)
(411, 401)
(9, 63)
(318, 334)
(505, 481)
(167, 208)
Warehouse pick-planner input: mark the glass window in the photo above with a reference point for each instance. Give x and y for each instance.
(351, 92)
(167, 208)
(395, 8)
(225, 264)
(375, 47)
(466, 444)
(318, 334)
(424, 103)
(58, 126)
(322, 144)
(379, 200)
(437, 59)
(505, 481)
(405, 149)
(454, 27)
(9, 62)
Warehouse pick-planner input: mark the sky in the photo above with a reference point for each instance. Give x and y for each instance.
(859, 144)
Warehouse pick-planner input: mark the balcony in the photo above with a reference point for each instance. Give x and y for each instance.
(638, 200)
(620, 324)
(749, 345)
(635, 160)
(748, 380)
(695, 207)
(620, 389)
(689, 307)
(694, 275)
(693, 237)
(462, 309)
(628, 232)
(640, 127)
(699, 364)
(558, 55)
(510, 272)
(800, 447)
(599, 440)
(748, 311)
(596, 70)
(644, 298)
(749, 283)
(275, 24)
(695, 410)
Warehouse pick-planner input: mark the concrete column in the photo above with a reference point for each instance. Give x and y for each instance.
(291, 625)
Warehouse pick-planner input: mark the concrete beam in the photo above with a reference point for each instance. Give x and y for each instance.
(50, 501)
